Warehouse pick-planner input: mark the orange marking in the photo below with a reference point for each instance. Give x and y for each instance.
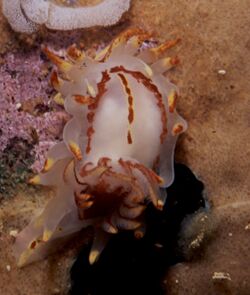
(178, 128)
(99, 170)
(59, 99)
(111, 227)
(77, 179)
(124, 37)
(33, 245)
(165, 46)
(105, 200)
(101, 87)
(150, 175)
(134, 182)
(58, 61)
(147, 172)
(74, 53)
(139, 234)
(128, 179)
(49, 162)
(172, 98)
(90, 117)
(126, 165)
(130, 104)
(130, 97)
(84, 170)
(83, 201)
(54, 80)
(129, 137)
(45, 167)
(147, 82)
(103, 161)
(131, 110)
(35, 180)
(160, 205)
(174, 61)
(75, 149)
(90, 132)
(83, 99)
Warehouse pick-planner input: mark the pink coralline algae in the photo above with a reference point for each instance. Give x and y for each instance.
(27, 108)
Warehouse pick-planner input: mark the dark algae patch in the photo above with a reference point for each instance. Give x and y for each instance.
(15, 163)
(130, 266)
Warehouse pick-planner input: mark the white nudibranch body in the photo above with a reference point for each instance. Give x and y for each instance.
(117, 150)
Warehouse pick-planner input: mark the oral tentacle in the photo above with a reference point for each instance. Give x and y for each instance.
(99, 242)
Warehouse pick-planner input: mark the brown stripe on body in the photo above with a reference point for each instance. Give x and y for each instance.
(101, 86)
(54, 80)
(84, 100)
(147, 82)
(129, 137)
(130, 105)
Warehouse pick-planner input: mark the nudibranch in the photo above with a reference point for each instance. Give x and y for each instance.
(117, 150)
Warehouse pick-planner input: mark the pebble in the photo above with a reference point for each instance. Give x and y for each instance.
(13, 233)
(18, 105)
(221, 276)
(222, 72)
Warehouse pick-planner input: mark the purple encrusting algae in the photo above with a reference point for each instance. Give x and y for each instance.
(27, 107)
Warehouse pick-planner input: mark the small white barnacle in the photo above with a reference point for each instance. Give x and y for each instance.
(117, 150)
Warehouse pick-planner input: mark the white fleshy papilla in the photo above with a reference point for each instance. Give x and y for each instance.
(13, 12)
(106, 13)
(25, 15)
(36, 10)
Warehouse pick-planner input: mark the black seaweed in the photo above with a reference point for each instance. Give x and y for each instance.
(129, 266)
